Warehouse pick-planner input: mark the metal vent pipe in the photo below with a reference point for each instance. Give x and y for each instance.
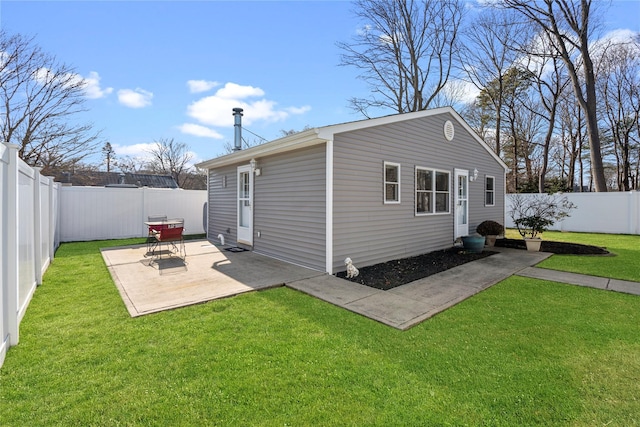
(237, 124)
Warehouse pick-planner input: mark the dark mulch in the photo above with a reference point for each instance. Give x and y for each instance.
(391, 274)
(398, 272)
(562, 248)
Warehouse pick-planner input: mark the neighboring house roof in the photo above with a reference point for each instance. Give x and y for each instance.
(323, 134)
(117, 179)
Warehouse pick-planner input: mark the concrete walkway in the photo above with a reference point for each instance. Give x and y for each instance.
(582, 280)
(410, 304)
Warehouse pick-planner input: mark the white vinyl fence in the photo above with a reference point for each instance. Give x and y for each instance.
(612, 213)
(28, 223)
(99, 213)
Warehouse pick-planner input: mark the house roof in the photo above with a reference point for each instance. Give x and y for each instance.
(323, 134)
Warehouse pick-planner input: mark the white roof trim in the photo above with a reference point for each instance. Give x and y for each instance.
(288, 143)
(321, 135)
(367, 123)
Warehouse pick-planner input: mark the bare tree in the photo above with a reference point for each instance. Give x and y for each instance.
(405, 51)
(619, 88)
(549, 81)
(516, 132)
(40, 96)
(289, 132)
(128, 164)
(229, 146)
(170, 158)
(567, 23)
(574, 141)
(491, 50)
(109, 155)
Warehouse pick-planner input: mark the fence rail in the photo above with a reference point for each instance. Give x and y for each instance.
(612, 213)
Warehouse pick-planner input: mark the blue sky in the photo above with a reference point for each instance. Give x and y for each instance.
(175, 69)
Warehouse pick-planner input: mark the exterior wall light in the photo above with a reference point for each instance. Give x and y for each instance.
(253, 163)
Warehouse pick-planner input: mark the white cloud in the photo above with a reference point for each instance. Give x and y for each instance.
(298, 110)
(92, 87)
(90, 84)
(141, 153)
(236, 91)
(462, 91)
(199, 130)
(197, 86)
(43, 75)
(216, 110)
(620, 36)
(137, 98)
(364, 30)
(134, 150)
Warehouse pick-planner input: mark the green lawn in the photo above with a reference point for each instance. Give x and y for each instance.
(524, 352)
(624, 263)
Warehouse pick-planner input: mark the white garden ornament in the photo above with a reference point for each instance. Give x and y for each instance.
(352, 271)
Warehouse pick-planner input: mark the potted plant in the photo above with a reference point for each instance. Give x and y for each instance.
(490, 230)
(530, 227)
(534, 214)
(473, 244)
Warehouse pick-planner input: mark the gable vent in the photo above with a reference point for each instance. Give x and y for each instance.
(449, 130)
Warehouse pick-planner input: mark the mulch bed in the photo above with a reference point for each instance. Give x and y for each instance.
(561, 248)
(398, 272)
(390, 274)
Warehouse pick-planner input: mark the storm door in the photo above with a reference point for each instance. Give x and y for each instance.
(461, 207)
(245, 205)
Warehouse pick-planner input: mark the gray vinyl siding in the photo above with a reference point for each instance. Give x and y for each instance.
(290, 207)
(222, 204)
(367, 230)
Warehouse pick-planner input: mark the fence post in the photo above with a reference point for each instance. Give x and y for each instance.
(12, 246)
(143, 211)
(52, 215)
(635, 218)
(37, 225)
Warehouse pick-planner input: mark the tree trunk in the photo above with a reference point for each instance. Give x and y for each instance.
(545, 148)
(626, 165)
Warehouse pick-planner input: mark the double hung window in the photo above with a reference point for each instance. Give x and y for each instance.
(489, 191)
(432, 191)
(391, 182)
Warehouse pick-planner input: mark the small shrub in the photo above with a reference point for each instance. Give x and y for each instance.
(534, 214)
(490, 228)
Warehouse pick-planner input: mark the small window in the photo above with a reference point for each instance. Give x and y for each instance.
(489, 191)
(432, 191)
(391, 182)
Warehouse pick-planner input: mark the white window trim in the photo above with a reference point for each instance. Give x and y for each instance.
(384, 183)
(433, 191)
(493, 191)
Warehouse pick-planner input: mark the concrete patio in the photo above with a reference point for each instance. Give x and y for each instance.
(208, 272)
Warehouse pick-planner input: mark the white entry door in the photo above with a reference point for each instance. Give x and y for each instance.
(245, 205)
(461, 203)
